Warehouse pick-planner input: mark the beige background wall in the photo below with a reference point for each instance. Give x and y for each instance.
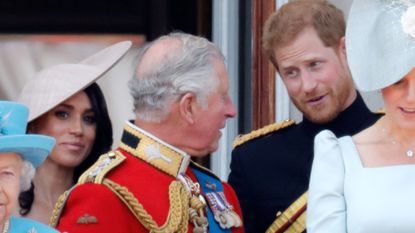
(21, 57)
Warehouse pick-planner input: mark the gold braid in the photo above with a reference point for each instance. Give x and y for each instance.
(261, 132)
(178, 217)
(53, 222)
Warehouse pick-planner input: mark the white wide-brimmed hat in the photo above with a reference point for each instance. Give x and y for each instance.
(53, 85)
(380, 42)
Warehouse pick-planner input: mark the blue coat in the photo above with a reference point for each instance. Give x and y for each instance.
(25, 225)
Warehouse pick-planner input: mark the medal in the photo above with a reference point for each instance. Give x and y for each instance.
(222, 210)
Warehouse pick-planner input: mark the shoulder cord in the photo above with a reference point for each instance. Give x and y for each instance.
(178, 217)
(261, 132)
(53, 222)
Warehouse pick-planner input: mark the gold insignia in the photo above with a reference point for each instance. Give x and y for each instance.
(155, 152)
(87, 219)
(261, 132)
(105, 163)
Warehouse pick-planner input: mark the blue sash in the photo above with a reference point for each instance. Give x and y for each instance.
(204, 179)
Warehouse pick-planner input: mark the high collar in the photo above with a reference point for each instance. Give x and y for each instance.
(153, 150)
(348, 122)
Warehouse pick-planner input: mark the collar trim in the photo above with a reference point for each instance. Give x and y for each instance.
(154, 151)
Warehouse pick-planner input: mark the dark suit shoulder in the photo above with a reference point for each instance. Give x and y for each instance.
(264, 131)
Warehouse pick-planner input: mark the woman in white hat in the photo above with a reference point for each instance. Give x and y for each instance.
(364, 183)
(67, 104)
(20, 153)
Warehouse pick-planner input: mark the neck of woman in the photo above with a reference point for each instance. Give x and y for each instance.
(397, 132)
(50, 181)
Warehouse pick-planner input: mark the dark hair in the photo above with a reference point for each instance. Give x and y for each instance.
(102, 143)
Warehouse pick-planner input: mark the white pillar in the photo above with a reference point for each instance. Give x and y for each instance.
(225, 35)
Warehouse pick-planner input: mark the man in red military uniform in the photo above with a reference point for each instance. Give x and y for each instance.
(149, 183)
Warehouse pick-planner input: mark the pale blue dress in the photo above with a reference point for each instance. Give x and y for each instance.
(25, 225)
(344, 196)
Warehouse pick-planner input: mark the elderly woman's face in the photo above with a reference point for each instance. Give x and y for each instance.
(10, 172)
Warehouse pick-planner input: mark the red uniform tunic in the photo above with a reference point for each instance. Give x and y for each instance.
(92, 206)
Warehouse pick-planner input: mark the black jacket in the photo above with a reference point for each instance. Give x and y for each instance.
(271, 172)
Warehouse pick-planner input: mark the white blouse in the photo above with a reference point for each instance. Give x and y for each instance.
(344, 196)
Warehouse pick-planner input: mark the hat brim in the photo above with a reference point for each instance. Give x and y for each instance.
(33, 148)
(379, 52)
(56, 84)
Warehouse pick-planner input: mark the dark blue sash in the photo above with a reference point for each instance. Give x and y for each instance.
(204, 179)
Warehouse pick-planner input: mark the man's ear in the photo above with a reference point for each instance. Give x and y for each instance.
(186, 107)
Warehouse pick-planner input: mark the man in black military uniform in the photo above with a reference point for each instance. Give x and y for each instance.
(271, 166)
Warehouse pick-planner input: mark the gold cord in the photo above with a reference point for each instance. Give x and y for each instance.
(177, 220)
(53, 222)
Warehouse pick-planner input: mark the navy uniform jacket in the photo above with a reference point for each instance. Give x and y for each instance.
(271, 172)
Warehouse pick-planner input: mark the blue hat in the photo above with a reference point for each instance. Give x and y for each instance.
(380, 42)
(13, 138)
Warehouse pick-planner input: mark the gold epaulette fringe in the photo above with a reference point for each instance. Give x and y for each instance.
(261, 132)
(293, 219)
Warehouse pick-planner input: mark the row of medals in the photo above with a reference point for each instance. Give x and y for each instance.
(222, 211)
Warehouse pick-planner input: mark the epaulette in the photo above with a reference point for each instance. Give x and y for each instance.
(94, 174)
(105, 163)
(261, 132)
(205, 170)
(292, 220)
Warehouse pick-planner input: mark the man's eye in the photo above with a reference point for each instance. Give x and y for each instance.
(315, 64)
(290, 73)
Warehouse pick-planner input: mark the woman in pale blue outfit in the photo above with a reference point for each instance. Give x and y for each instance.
(364, 182)
(20, 153)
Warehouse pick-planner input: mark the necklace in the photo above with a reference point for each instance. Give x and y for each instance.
(409, 152)
(6, 227)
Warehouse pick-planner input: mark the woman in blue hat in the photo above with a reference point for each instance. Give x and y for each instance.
(363, 183)
(20, 154)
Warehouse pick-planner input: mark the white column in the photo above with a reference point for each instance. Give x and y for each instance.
(225, 35)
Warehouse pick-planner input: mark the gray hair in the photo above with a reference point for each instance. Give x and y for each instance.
(27, 174)
(188, 70)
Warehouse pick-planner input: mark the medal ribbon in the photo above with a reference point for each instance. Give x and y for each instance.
(204, 179)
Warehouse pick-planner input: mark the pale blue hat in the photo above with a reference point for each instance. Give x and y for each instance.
(380, 42)
(13, 138)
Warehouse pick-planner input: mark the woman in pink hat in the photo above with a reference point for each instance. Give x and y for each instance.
(67, 104)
